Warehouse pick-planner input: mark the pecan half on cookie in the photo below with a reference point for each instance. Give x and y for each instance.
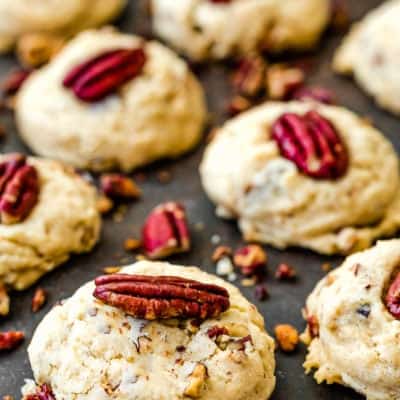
(98, 77)
(161, 297)
(393, 297)
(19, 189)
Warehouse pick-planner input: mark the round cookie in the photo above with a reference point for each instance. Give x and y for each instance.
(64, 220)
(353, 339)
(158, 114)
(244, 173)
(207, 29)
(19, 17)
(94, 351)
(370, 53)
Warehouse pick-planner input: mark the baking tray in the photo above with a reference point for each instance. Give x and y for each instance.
(286, 299)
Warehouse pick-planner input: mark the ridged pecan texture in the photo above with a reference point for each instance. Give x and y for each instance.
(43, 392)
(393, 297)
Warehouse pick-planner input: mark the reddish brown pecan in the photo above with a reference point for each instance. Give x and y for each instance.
(19, 189)
(160, 297)
(98, 77)
(249, 76)
(10, 340)
(285, 272)
(312, 143)
(313, 326)
(216, 331)
(165, 231)
(393, 297)
(316, 93)
(119, 187)
(14, 81)
(250, 259)
(43, 392)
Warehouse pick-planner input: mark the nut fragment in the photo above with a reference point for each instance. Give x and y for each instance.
(196, 381)
(104, 205)
(39, 299)
(10, 340)
(43, 392)
(285, 272)
(261, 292)
(19, 189)
(283, 80)
(132, 244)
(250, 259)
(36, 49)
(393, 297)
(4, 301)
(249, 77)
(165, 231)
(119, 187)
(221, 252)
(287, 337)
(216, 331)
(316, 93)
(95, 79)
(161, 297)
(14, 81)
(312, 143)
(238, 104)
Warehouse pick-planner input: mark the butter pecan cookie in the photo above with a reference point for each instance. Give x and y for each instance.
(353, 324)
(154, 331)
(22, 17)
(304, 174)
(204, 29)
(111, 100)
(47, 212)
(370, 53)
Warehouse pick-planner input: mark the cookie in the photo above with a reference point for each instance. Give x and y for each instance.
(20, 17)
(55, 216)
(85, 349)
(370, 54)
(207, 29)
(285, 195)
(159, 113)
(351, 333)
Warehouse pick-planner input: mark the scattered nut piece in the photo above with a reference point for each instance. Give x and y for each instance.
(111, 270)
(249, 77)
(261, 292)
(132, 244)
(164, 177)
(251, 259)
(285, 272)
(196, 381)
(39, 299)
(4, 301)
(36, 49)
(216, 331)
(287, 337)
(104, 204)
(10, 340)
(14, 81)
(220, 252)
(283, 80)
(238, 104)
(119, 187)
(326, 267)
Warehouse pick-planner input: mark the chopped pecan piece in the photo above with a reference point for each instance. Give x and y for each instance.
(4, 301)
(393, 297)
(14, 81)
(119, 187)
(132, 244)
(250, 259)
(104, 205)
(10, 340)
(19, 189)
(39, 299)
(312, 143)
(165, 231)
(43, 392)
(161, 297)
(261, 292)
(249, 77)
(312, 326)
(283, 80)
(287, 337)
(95, 79)
(221, 252)
(285, 272)
(196, 381)
(216, 331)
(238, 104)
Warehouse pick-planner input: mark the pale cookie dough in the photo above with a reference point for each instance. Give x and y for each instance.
(86, 350)
(19, 17)
(371, 52)
(358, 340)
(65, 220)
(244, 174)
(202, 29)
(158, 114)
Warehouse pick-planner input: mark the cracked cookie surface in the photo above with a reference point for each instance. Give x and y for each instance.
(159, 114)
(204, 29)
(370, 53)
(245, 175)
(94, 351)
(65, 220)
(357, 343)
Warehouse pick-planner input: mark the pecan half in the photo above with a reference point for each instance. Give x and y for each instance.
(393, 297)
(161, 297)
(312, 143)
(98, 77)
(165, 231)
(43, 392)
(19, 189)
(250, 259)
(10, 340)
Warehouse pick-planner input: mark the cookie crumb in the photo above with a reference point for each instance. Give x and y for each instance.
(39, 299)
(132, 244)
(287, 337)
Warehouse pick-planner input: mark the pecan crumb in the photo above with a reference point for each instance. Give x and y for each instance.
(4, 301)
(39, 299)
(285, 272)
(282, 80)
(261, 292)
(287, 337)
(14, 81)
(238, 104)
(216, 331)
(250, 259)
(164, 177)
(196, 381)
(111, 270)
(119, 187)
(132, 244)
(104, 204)
(326, 267)
(221, 252)
(10, 340)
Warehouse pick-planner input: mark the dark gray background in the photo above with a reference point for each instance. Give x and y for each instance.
(286, 299)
